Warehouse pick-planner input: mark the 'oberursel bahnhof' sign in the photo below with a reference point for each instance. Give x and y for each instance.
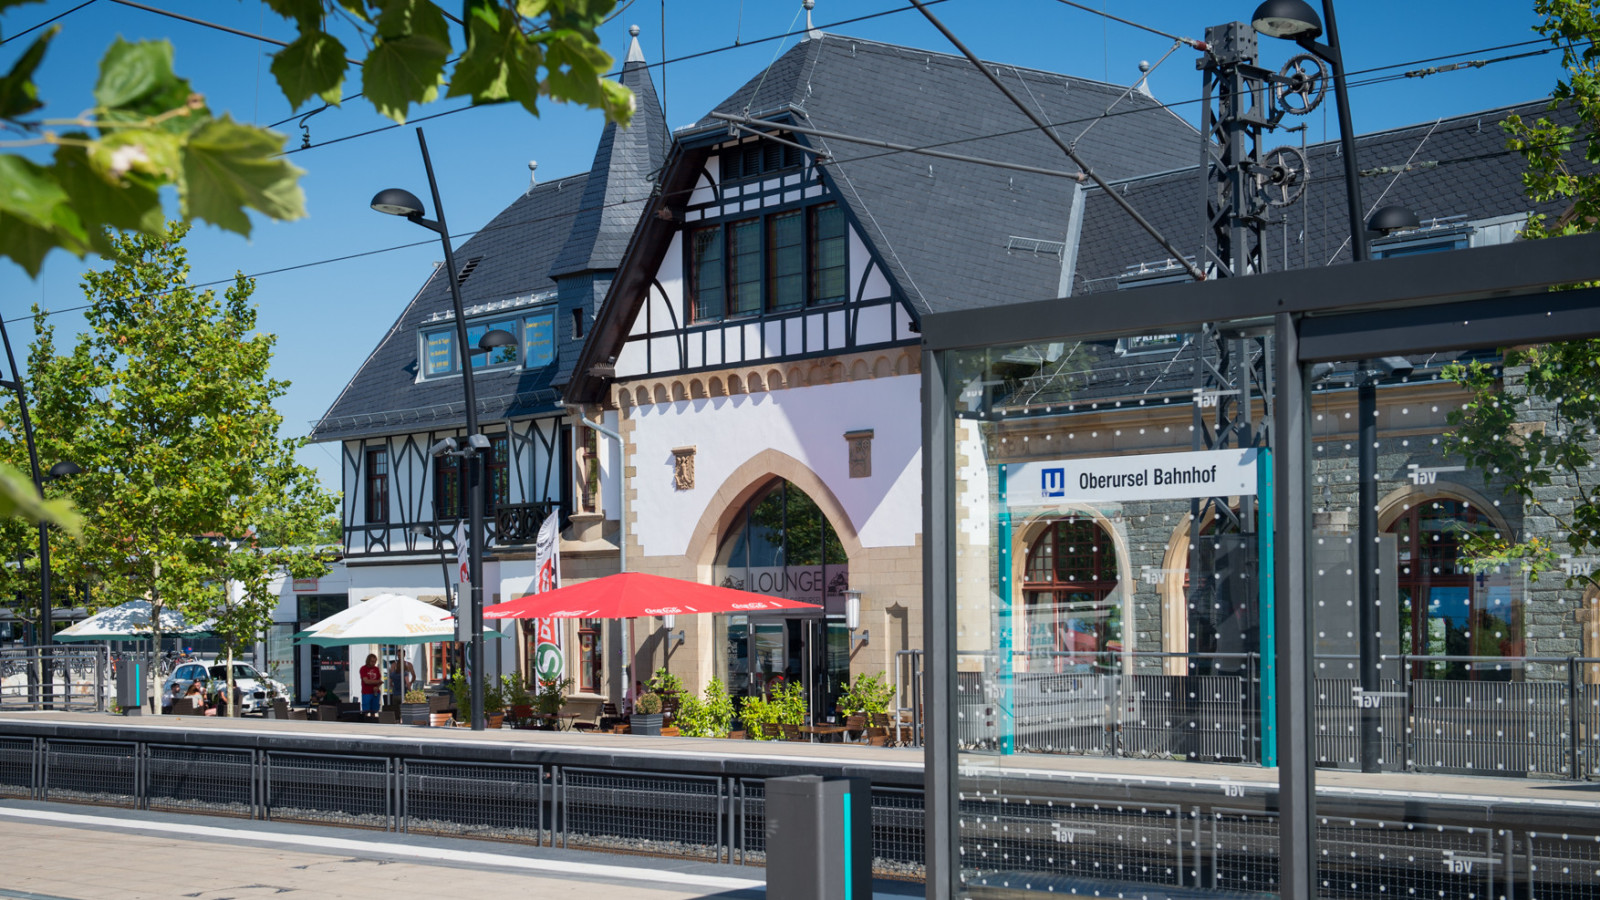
(1151, 476)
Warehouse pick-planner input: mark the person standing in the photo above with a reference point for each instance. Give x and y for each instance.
(371, 684)
(398, 685)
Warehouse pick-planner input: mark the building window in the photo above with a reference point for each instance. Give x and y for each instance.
(590, 658)
(756, 158)
(744, 267)
(497, 469)
(1072, 609)
(377, 485)
(829, 261)
(777, 263)
(1445, 609)
(447, 488)
(535, 346)
(786, 254)
(706, 272)
(538, 339)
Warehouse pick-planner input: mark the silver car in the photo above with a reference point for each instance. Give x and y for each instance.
(256, 691)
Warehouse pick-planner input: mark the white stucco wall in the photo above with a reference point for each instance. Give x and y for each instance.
(807, 423)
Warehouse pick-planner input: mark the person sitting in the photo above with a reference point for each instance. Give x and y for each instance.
(324, 696)
(172, 698)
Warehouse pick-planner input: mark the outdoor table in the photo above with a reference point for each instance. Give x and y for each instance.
(824, 731)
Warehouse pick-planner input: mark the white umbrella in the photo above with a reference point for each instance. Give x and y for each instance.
(385, 619)
(128, 622)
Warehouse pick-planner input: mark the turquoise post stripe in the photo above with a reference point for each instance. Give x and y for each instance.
(138, 688)
(849, 870)
(1266, 528)
(1008, 725)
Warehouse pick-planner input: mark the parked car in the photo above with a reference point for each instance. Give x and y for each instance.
(256, 691)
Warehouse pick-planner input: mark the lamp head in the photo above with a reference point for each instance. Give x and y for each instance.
(496, 338)
(64, 468)
(1389, 219)
(1291, 20)
(442, 447)
(397, 202)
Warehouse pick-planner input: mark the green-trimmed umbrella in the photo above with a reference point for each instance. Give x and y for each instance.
(129, 622)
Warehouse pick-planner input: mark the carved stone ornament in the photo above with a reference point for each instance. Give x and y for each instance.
(683, 468)
(860, 453)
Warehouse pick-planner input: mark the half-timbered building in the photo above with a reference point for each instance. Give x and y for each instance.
(538, 270)
(759, 343)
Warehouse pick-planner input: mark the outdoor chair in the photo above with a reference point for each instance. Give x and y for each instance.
(771, 731)
(610, 718)
(855, 727)
(389, 716)
(327, 712)
(280, 709)
(793, 733)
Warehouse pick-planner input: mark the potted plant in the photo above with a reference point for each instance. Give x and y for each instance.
(867, 695)
(461, 694)
(414, 707)
(646, 715)
(710, 717)
(551, 697)
(494, 704)
(518, 700)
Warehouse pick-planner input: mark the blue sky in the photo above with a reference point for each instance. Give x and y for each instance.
(329, 315)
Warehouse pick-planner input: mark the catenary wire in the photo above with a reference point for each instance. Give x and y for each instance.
(53, 18)
(1169, 106)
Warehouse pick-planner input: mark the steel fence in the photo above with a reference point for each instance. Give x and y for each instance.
(55, 677)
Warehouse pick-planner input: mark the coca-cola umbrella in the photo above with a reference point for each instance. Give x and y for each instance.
(632, 595)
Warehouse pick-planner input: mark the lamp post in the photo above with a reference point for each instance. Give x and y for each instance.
(1295, 20)
(400, 202)
(59, 470)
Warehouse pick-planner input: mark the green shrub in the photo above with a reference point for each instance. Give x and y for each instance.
(552, 695)
(664, 682)
(647, 704)
(415, 695)
(866, 695)
(461, 695)
(515, 690)
(710, 717)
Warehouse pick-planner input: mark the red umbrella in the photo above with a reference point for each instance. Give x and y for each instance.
(631, 595)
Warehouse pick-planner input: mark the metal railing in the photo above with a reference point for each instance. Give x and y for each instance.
(1493, 716)
(56, 677)
(720, 818)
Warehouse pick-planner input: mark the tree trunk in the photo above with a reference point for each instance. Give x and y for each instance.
(229, 682)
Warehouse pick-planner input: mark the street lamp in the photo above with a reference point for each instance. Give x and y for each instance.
(1295, 20)
(400, 202)
(1390, 219)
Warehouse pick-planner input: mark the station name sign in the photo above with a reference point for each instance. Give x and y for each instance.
(1149, 476)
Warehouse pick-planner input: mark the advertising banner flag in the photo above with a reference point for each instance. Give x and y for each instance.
(461, 550)
(549, 662)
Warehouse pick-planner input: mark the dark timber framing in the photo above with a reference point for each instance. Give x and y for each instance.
(1492, 296)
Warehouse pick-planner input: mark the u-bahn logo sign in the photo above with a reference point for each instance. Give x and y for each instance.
(1147, 476)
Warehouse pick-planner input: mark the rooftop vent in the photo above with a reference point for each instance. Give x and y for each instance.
(1036, 246)
(466, 270)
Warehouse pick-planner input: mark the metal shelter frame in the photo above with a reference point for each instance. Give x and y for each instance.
(1488, 297)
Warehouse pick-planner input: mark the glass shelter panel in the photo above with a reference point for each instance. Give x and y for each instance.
(1115, 532)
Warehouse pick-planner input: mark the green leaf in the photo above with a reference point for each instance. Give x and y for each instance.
(129, 72)
(18, 499)
(413, 18)
(403, 71)
(228, 167)
(308, 13)
(496, 48)
(28, 192)
(312, 66)
(18, 93)
(27, 245)
(132, 203)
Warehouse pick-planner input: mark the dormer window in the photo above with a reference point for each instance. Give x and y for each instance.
(754, 159)
(535, 349)
(778, 262)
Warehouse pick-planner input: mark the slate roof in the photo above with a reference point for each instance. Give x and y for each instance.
(517, 249)
(1449, 167)
(952, 234)
(943, 226)
(1457, 169)
(571, 225)
(630, 158)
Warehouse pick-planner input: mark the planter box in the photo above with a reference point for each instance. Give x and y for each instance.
(643, 724)
(414, 713)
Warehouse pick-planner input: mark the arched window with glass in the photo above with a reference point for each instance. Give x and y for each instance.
(1446, 609)
(1072, 609)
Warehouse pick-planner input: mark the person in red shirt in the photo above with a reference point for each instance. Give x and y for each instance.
(371, 682)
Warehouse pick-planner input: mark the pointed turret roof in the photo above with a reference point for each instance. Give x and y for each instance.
(620, 178)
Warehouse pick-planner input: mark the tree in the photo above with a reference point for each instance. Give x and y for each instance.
(148, 128)
(166, 403)
(1535, 431)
